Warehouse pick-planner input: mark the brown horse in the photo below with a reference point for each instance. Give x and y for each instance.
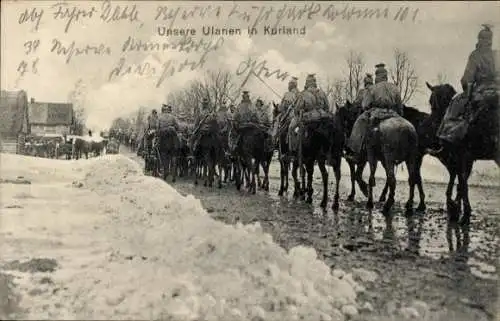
(480, 143)
(168, 148)
(392, 142)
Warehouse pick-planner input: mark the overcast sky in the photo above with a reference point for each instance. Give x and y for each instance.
(439, 39)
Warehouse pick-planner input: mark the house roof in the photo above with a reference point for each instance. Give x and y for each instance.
(42, 113)
(13, 107)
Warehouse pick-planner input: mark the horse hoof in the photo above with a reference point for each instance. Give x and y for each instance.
(323, 204)
(309, 200)
(266, 188)
(386, 209)
(350, 198)
(280, 192)
(369, 205)
(421, 207)
(335, 206)
(464, 221)
(195, 182)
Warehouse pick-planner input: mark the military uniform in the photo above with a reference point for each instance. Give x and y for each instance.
(246, 113)
(313, 103)
(480, 82)
(363, 92)
(201, 122)
(167, 120)
(223, 118)
(285, 109)
(381, 101)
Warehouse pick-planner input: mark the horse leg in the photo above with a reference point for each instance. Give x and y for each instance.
(463, 180)
(173, 161)
(360, 167)
(324, 177)
(383, 195)
(165, 160)
(391, 180)
(337, 172)
(260, 184)
(371, 181)
(309, 168)
(196, 164)
(266, 177)
(286, 164)
(296, 191)
(302, 170)
(451, 206)
(418, 180)
(411, 167)
(282, 177)
(254, 171)
(352, 170)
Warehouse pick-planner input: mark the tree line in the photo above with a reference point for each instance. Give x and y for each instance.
(221, 86)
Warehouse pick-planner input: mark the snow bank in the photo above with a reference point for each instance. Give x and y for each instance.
(130, 247)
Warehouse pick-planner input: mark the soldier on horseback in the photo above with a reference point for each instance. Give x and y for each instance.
(246, 113)
(381, 101)
(312, 102)
(223, 117)
(203, 116)
(285, 110)
(167, 120)
(362, 93)
(481, 85)
(150, 132)
(263, 113)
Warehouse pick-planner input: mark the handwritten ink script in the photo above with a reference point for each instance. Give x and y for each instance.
(169, 67)
(260, 69)
(276, 15)
(190, 20)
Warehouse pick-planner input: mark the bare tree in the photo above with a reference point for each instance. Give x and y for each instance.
(220, 86)
(355, 67)
(335, 91)
(404, 75)
(77, 97)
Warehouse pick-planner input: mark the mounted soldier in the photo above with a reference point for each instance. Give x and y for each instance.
(311, 105)
(382, 101)
(263, 113)
(285, 109)
(167, 120)
(246, 113)
(481, 84)
(362, 93)
(150, 130)
(204, 115)
(223, 117)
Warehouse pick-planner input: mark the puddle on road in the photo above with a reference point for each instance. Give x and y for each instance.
(292, 222)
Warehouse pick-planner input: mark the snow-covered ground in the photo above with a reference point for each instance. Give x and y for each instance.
(129, 246)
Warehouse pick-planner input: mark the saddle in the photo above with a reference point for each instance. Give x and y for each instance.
(251, 125)
(315, 116)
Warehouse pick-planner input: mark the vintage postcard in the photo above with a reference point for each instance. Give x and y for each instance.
(249, 160)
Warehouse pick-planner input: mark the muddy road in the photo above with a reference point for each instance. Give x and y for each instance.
(413, 260)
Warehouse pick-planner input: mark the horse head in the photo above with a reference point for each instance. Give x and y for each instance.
(441, 96)
(347, 114)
